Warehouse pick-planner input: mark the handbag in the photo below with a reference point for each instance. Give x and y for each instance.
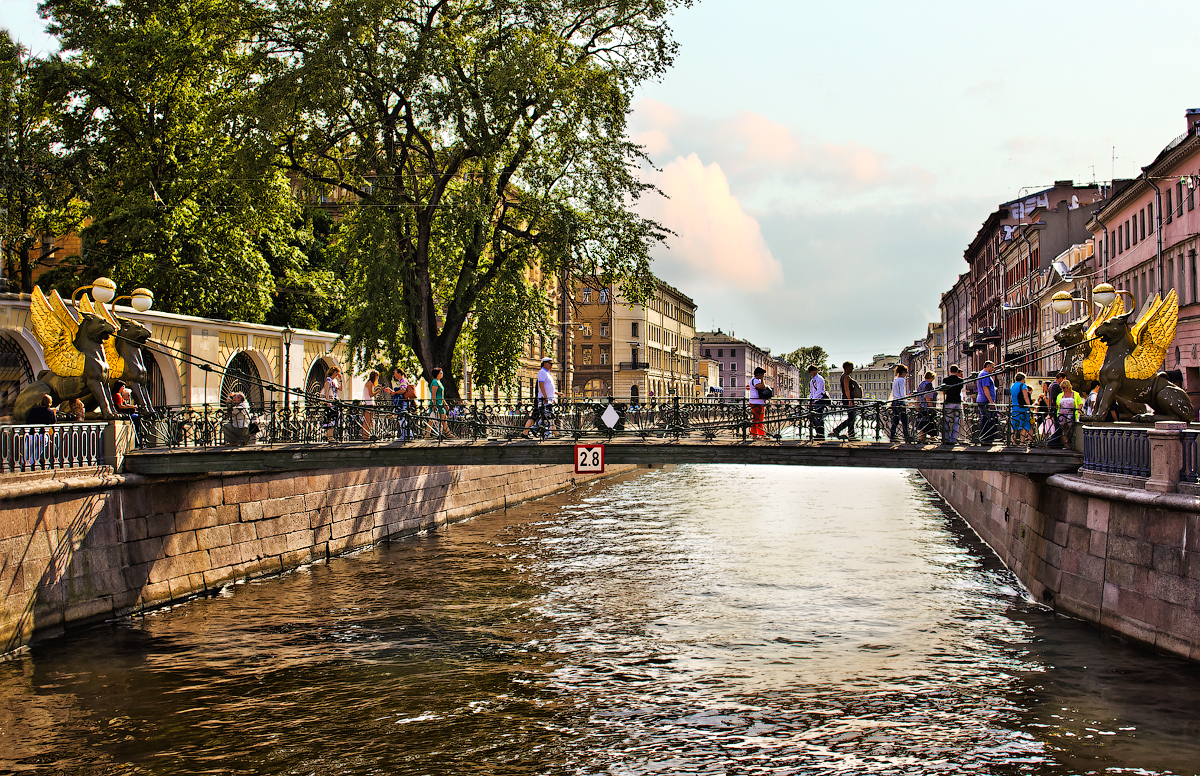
(765, 392)
(253, 428)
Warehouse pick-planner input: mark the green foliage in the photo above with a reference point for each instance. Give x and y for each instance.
(178, 187)
(37, 197)
(804, 357)
(484, 144)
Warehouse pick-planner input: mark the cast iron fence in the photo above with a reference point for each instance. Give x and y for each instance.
(1119, 450)
(1190, 471)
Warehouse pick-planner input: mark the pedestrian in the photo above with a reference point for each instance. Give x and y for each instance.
(543, 401)
(437, 401)
(42, 413)
(1066, 414)
(900, 403)
(951, 405)
(236, 431)
(851, 394)
(926, 408)
(403, 393)
(758, 403)
(1093, 398)
(368, 400)
(985, 398)
(818, 401)
(329, 394)
(1020, 401)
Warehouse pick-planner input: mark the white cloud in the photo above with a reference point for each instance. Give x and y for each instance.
(717, 242)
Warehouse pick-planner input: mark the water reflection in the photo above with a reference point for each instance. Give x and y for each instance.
(706, 619)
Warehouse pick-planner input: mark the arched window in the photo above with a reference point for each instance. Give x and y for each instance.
(15, 373)
(316, 378)
(242, 376)
(155, 386)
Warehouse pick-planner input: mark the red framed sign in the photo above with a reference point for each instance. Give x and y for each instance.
(589, 459)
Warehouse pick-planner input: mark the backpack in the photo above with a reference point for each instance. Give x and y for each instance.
(855, 389)
(764, 391)
(1021, 400)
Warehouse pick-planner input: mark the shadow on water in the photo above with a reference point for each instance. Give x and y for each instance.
(704, 619)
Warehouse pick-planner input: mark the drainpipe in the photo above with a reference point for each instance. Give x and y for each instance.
(1157, 228)
(1107, 251)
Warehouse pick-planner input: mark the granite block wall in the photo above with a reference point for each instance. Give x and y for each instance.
(74, 557)
(1121, 558)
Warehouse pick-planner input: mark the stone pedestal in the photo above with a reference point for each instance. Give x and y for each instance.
(1166, 456)
(120, 438)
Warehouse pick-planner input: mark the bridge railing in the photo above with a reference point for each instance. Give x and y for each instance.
(33, 447)
(1191, 466)
(1120, 450)
(707, 418)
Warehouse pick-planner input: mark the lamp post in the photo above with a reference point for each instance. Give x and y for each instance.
(288, 333)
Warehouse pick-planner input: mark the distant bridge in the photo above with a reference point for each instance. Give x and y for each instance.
(295, 457)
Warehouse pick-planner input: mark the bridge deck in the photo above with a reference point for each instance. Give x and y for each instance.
(654, 451)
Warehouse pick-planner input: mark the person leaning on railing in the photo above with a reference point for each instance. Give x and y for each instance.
(952, 388)
(236, 430)
(42, 414)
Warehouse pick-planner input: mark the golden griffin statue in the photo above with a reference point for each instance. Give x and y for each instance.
(1126, 358)
(74, 348)
(124, 352)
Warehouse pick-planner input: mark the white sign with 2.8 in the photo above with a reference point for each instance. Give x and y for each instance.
(589, 459)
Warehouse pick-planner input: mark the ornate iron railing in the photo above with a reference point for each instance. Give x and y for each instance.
(673, 418)
(32, 447)
(1118, 450)
(1191, 467)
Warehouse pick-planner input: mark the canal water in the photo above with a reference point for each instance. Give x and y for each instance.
(701, 619)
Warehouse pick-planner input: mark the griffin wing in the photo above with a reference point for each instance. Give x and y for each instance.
(116, 365)
(1099, 348)
(55, 328)
(1153, 334)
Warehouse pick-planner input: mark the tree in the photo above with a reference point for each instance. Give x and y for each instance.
(804, 357)
(37, 198)
(178, 187)
(480, 148)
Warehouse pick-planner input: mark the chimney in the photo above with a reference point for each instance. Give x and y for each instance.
(1193, 119)
(1064, 184)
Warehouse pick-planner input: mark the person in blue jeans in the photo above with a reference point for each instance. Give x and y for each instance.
(900, 403)
(985, 399)
(1021, 399)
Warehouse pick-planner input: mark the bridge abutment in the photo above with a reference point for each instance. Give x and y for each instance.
(1124, 558)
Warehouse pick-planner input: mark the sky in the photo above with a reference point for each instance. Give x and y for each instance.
(824, 165)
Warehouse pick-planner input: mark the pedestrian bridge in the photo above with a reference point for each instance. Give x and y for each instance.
(294, 457)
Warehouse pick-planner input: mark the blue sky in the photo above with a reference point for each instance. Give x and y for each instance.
(827, 163)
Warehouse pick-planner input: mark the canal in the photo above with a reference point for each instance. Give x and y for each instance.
(700, 619)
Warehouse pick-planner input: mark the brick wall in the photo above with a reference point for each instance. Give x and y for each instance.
(76, 557)
(1128, 561)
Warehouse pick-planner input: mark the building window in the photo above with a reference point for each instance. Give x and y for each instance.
(1150, 217)
(732, 352)
(1192, 268)
(1142, 213)
(720, 382)
(1170, 210)
(603, 295)
(1179, 198)
(732, 366)
(1191, 198)
(586, 329)
(733, 382)
(707, 353)
(586, 295)
(635, 329)
(587, 355)
(1127, 236)
(1170, 274)
(720, 353)
(604, 330)
(720, 367)
(604, 355)
(1133, 233)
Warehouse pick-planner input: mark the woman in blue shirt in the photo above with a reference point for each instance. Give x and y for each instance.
(1020, 400)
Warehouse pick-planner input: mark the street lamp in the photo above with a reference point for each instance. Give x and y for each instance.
(288, 333)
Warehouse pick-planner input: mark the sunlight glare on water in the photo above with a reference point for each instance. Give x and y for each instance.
(700, 619)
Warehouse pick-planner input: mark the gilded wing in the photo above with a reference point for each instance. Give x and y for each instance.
(1153, 334)
(1099, 348)
(55, 328)
(116, 364)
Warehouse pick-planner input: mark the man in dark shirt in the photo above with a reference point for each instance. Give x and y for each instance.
(951, 406)
(43, 413)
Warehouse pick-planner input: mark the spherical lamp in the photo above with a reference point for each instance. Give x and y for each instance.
(1062, 302)
(103, 290)
(142, 299)
(1104, 294)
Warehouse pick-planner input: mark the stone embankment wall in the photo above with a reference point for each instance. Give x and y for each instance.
(71, 557)
(1126, 559)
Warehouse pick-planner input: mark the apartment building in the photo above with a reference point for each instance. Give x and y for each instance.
(591, 341)
(736, 360)
(1146, 241)
(653, 346)
(955, 308)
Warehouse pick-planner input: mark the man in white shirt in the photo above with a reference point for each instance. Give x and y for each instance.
(543, 402)
(819, 401)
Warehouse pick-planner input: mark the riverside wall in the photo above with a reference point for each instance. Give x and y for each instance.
(79, 550)
(1124, 558)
